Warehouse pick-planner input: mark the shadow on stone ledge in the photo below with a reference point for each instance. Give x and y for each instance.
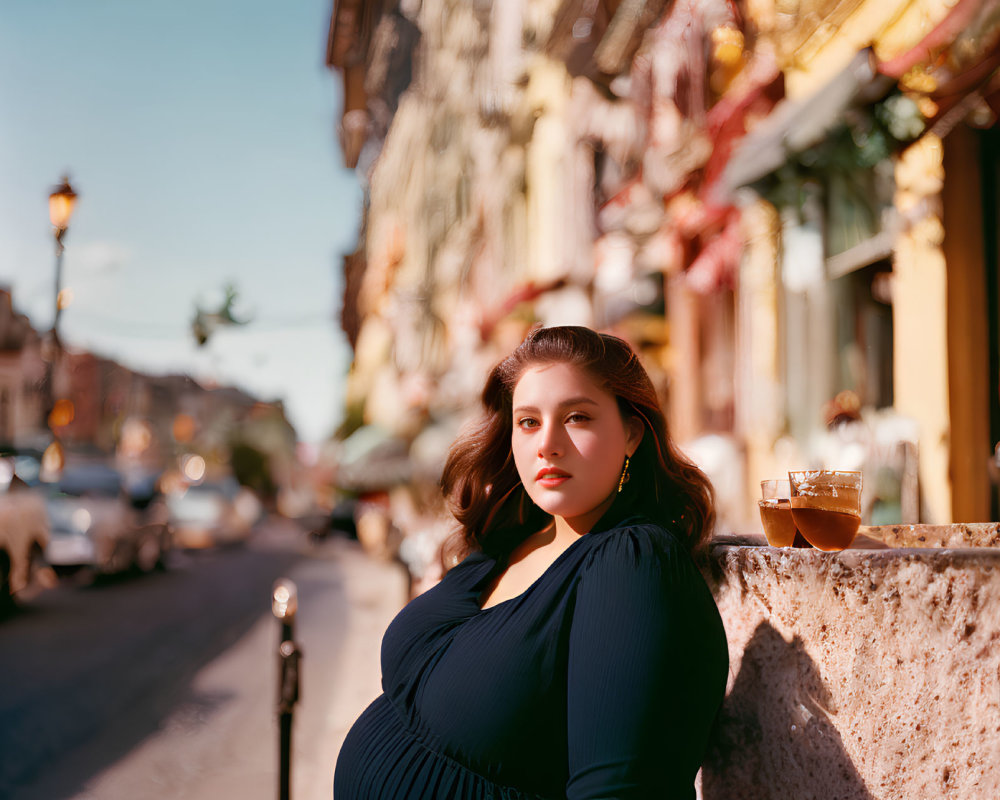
(774, 738)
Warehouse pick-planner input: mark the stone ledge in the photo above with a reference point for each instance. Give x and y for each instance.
(877, 537)
(869, 673)
(966, 534)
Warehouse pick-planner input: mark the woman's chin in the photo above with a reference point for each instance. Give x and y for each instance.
(569, 509)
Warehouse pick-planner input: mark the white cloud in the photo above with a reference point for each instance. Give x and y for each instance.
(100, 256)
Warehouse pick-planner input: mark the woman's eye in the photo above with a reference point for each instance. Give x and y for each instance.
(527, 422)
(577, 418)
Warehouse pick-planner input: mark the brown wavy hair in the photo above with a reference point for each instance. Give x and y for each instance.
(480, 481)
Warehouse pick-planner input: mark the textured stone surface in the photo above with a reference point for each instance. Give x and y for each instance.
(966, 534)
(861, 674)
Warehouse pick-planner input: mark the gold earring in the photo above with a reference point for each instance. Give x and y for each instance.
(625, 476)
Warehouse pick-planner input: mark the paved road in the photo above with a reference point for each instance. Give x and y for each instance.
(163, 686)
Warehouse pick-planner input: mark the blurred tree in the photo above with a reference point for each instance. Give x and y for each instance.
(252, 468)
(205, 322)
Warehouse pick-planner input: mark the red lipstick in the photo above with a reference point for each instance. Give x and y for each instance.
(550, 477)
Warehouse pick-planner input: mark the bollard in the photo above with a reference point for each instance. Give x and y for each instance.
(284, 604)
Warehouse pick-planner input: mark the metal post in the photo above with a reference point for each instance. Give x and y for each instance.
(60, 247)
(284, 604)
(52, 356)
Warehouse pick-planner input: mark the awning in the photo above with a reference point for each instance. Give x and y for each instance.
(372, 459)
(795, 126)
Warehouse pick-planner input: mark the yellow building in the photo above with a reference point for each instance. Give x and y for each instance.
(876, 275)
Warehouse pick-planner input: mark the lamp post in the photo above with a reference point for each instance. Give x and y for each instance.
(62, 201)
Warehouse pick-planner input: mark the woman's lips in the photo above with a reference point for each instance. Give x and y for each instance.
(550, 477)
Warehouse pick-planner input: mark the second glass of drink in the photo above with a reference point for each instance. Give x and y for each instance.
(776, 514)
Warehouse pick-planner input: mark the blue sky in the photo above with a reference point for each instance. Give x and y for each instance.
(200, 136)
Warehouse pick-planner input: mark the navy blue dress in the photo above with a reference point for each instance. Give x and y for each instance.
(601, 680)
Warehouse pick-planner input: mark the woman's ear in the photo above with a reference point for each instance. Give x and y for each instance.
(634, 429)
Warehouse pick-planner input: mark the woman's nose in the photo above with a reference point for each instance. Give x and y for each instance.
(550, 442)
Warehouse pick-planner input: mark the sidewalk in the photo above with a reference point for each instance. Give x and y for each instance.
(374, 592)
(223, 741)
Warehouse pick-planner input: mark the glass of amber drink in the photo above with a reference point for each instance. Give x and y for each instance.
(776, 514)
(826, 506)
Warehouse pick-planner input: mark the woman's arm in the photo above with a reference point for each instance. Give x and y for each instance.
(645, 673)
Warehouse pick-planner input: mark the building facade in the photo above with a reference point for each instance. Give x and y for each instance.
(771, 201)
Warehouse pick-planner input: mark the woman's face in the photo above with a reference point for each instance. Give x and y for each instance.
(569, 442)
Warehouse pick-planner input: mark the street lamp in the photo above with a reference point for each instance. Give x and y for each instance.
(62, 201)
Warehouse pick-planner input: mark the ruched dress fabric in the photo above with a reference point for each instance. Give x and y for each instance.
(601, 680)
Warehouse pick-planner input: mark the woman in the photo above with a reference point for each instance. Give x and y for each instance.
(575, 651)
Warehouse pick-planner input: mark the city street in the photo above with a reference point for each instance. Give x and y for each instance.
(164, 685)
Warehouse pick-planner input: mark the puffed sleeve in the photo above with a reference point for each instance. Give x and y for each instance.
(646, 672)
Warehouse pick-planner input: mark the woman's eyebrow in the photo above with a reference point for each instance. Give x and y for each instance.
(572, 401)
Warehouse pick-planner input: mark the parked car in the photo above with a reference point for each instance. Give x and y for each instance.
(101, 523)
(24, 534)
(341, 519)
(212, 513)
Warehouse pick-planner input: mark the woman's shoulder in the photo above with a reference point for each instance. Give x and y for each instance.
(639, 535)
(473, 566)
(637, 546)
